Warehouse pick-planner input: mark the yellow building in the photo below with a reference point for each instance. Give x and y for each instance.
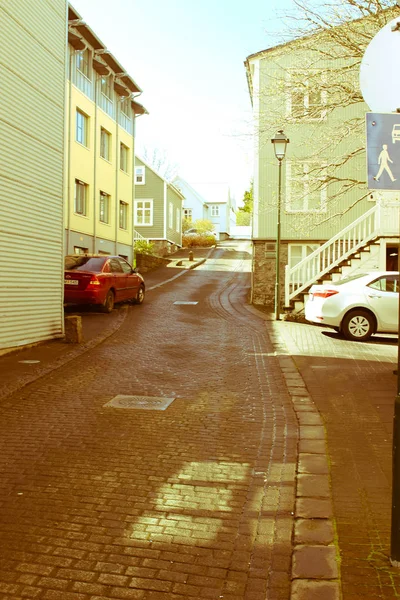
(100, 147)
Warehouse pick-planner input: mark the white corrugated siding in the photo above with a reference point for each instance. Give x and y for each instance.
(32, 84)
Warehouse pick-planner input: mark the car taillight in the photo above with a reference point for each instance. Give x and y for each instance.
(94, 280)
(325, 293)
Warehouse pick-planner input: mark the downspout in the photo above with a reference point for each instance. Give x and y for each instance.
(133, 187)
(166, 215)
(117, 159)
(72, 54)
(96, 79)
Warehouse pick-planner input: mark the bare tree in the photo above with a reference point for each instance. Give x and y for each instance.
(157, 159)
(326, 43)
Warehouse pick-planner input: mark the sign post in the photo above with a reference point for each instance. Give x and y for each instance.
(380, 86)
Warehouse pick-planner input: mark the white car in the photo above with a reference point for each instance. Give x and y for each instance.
(357, 306)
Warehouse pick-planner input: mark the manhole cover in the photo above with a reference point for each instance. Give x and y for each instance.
(179, 302)
(141, 402)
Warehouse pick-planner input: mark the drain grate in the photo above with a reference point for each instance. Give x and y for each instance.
(140, 402)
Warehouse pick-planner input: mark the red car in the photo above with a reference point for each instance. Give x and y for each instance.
(102, 280)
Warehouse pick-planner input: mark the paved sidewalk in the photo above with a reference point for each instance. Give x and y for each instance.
(353, 388)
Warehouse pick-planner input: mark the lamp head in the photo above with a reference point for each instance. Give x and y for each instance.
(280, 141)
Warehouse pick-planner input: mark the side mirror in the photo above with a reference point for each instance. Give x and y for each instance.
(135, 270)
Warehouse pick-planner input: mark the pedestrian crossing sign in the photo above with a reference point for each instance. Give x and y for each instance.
(383, 151)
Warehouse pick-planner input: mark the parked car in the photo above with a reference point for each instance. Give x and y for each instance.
(357, 306)
(101, 280)
(194, 231)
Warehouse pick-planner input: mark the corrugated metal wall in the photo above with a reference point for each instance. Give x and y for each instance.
(32, 84)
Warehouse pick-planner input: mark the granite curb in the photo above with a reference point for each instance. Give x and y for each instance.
(316, 557)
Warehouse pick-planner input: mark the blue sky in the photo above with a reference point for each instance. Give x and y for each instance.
(187, 56)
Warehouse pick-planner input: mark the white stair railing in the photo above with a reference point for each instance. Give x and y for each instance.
(331, 254)
(137, 236)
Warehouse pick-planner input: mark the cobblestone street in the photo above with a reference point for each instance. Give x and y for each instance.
(193, 501)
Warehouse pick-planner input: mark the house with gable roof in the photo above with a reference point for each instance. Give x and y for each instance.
(157, 209)
(331, 223)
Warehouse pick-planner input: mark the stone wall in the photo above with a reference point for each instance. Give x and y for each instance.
(163, 247)
(147, 262)
(264, 268)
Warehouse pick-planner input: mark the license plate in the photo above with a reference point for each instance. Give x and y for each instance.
(71, 281)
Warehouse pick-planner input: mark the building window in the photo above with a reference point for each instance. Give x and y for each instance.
(170, 215)
(81, 195)
(140, 175)
(83, 62)
(104, 207)
(187, 213)
(105, 144)
(106, 87)
(307, 96)
(214, 210)
(297, 252)
(144, 212)
(306, 188)
(82, 128)
(123, 215)
(80, 250)
(123, 157)
(178, 220)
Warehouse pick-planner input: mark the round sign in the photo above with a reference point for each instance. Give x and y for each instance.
(379, 71)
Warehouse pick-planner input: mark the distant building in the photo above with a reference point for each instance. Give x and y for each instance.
(101, 112)
(194, 205)
(32, 54)
(211, 201)
(157, 209)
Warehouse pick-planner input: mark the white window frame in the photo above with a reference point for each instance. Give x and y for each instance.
(178, 220)
(214, 210)
(188, 213)
(82, 128)
(123, 212)
(306, 183)
(306, 250)
(299, 81)
(140, 175)
(81, 198)
(170, 215)
(142, 205)
(105, 199)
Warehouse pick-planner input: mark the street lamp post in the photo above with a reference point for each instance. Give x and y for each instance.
(280, 141)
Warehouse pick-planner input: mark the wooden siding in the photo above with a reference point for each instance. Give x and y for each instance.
(32, 82)
(305, 140)
(152, 189)
(173, 197)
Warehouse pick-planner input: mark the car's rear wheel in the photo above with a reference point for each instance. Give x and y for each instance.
(140, 296)
(358, 325)
(108, 303)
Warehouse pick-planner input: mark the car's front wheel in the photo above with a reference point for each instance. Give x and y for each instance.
(140, 296)
(108, 303)
(358, 325)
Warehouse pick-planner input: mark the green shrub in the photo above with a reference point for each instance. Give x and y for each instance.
(199, 240)
(144, 247)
